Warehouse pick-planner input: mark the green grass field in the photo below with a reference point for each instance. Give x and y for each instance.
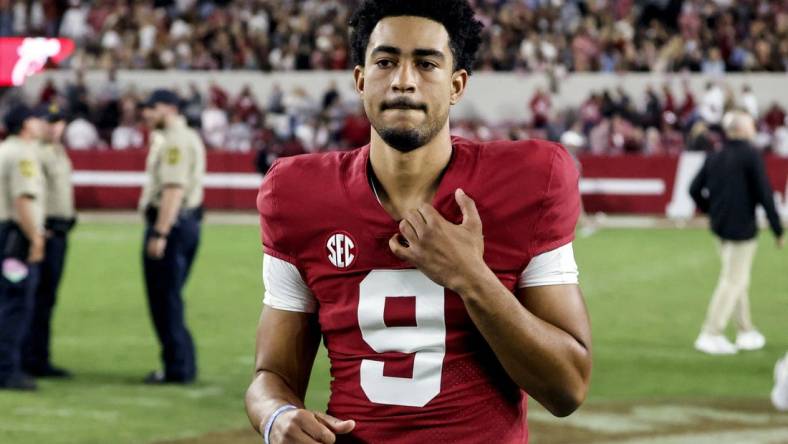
(647, 292)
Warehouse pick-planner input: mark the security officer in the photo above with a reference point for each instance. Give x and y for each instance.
(171, 200)
(60, 219)
(21, 238)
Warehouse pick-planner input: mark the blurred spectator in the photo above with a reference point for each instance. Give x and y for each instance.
(780, 145)
(608, 122)
(774, 117)
(80, 134)
(356, 129)
(245, 106)
(239, 135)
(214, 125)
(699, 138)
(537, 36)
(749, 102)
(192, 106)
(573, 139)
(712, 104)
(75, 22)
(540, 107)
(128, 134)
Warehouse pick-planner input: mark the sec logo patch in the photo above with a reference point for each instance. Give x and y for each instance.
(341, 249)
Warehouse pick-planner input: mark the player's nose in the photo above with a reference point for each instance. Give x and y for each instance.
(404, 79)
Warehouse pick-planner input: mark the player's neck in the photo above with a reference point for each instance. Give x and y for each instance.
(406, 180)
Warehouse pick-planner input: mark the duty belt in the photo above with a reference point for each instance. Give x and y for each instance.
(152, 214)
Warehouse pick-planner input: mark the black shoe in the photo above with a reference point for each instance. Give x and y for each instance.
(19, 381)
(159, 378)
(50, 371)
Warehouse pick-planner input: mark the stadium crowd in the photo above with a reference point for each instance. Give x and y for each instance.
(665, 120)
(710, 36)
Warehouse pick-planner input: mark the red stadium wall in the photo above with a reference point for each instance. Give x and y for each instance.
(618, 185)
(113, 180)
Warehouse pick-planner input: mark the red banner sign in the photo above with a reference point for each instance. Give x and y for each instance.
(21, 57)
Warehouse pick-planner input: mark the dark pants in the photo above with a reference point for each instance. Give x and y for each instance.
(16, 309)
(164, 281)
(36, 347)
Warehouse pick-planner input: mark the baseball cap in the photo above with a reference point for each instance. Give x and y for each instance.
(162, 96)
(15, 118)
(52, 112)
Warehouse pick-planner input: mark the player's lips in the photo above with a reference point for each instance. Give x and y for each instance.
(403, 105)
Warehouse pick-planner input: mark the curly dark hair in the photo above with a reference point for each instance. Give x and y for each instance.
(456, 16)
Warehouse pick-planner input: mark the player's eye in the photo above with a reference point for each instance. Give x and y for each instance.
(426, 66)
(384, 64)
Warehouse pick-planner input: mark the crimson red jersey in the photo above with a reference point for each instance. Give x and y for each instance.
(408, 364)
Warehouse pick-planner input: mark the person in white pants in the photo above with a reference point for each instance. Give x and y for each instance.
(729, 186)
(780, 390)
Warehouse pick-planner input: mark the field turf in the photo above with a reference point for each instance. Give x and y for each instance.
(647, 292)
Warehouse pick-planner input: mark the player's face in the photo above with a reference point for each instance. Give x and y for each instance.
(408, 82)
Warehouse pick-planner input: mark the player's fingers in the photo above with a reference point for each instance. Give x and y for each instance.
(416, 221)
(429, 213)
(313, 427)
(335, 424)
(397, 248)
(470, 215)
(293, 429)
(301, 437)
(407, 230)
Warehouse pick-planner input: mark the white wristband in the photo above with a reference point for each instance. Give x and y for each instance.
(270, 424)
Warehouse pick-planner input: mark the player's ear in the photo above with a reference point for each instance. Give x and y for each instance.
(459, 80)
(358, 77)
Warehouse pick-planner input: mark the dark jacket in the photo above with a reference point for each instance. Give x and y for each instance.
(729, 186)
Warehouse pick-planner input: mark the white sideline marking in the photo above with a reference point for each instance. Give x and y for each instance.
(92, 340)
(19, 427)
(142, 402)
(206, 392)
(622, 187)
(100, 415)
(763, 436)
(130, 179)
(655, 418)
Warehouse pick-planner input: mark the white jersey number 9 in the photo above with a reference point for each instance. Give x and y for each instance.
(427, 340)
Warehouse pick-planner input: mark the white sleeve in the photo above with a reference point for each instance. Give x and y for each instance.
(555, 267)
(285, 289)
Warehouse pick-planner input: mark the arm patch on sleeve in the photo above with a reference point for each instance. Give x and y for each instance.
(173, 156)
(27, 168)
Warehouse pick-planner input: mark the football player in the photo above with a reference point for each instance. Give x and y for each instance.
(438, 271)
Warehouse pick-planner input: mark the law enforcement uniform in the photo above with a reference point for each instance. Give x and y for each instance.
(60, 219)
(176, 157)
(20, 175)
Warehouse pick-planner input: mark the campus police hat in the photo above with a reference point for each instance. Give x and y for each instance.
(52, 112)
(15, 118)
(162, 96)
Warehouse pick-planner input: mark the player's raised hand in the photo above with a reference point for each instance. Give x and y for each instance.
(306, 427)
(449, 254)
